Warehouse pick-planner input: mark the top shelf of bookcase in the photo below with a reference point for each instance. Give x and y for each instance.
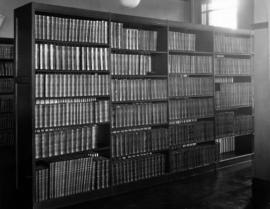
(61, 11)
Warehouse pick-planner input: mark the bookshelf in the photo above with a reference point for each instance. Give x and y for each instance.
(7, 137)
(234, 94)
(114, 103)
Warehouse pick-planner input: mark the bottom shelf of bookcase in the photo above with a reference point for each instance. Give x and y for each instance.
(233, 158)
(73, 199)
(225, 160)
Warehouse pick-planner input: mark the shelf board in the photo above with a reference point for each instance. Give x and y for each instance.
(233, 75)
(188, 120)
(192, 74)
(235, 135)
(232, 54)
(49, 71)
(6, 76)
(189, 97)
(233, 108)
(228, 159)
(190, 52)
(139, 101)
(74, 199)
(70, 156)
(71, 43)
(199, 142)
(139, 126)
(74, 97)
(134, 51)
(7, 113)
(69, 126)
(138, 76)
(139, 155)
(6, 93)
(6, 59)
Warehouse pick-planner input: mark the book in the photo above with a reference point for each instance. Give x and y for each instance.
(232, 66)
(231, 124)
(130, 64)
(190, 108)
(71, 85)
(70, 29)
(231, 94)
(193, 156)
(58, 57)
(53, 113)
(70, 177)
(226, 144)
(138, 89)
(62, 141)
(228, 43)
(6, 68)
(133, 39)
(6, 104)
(6, 85)
(136, 141)
(180, 85)
(6, 51)
(139, 114)
(190, 133)
(182, 41)
(137, 168)
(187, 64)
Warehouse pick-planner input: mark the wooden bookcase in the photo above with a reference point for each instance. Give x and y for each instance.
(109, 103)
(7, 104)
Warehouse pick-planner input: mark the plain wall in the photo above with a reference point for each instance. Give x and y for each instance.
(262, 91)
(178, 10)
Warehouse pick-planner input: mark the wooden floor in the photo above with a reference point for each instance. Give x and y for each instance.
(229, 188)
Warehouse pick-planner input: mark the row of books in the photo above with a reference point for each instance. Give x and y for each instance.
(130, 64)
(224, 124)
(6, 85)
(70, 29)
(182, 41)
(224, 80)
(233, 95)
(226, 144)
(190, 64)
(243, 124)
(190, 108)
(63, 141)
(136, 141)
(6, 104)
(137, 168)
(68, 112)
(190, 133)
(227, 123)
(72, 58)
(232, 66)
(71, 85)
(193, 157)
(6, 122)
(232, 44)
(71, 177)
(138, 89)
(7, 138)
(133, 39)
(128, 115)
(6, 51)
(6, 68)
(190, 86)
